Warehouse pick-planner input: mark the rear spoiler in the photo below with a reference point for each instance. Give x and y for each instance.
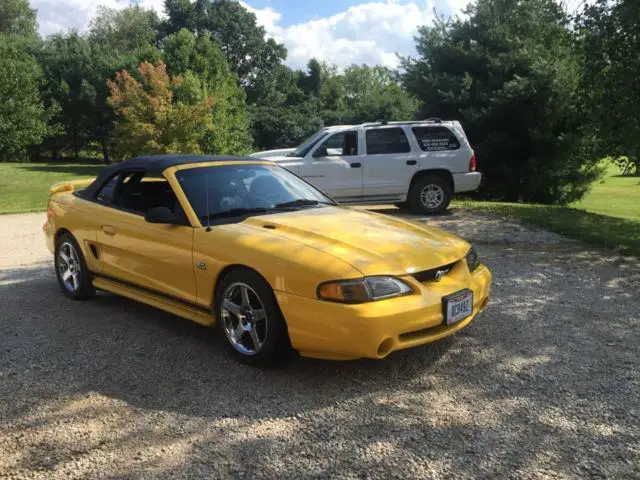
(70, 186)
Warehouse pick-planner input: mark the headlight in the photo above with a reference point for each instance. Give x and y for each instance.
(472, 259)
(363, 290)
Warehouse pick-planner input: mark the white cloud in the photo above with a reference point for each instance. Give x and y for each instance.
(267, 17)
(372, 32)
(63, 15)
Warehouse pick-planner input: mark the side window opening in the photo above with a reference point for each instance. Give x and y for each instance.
(381, 141)
(436, 139)
(139, 192)
(343, 144)
(107, 192)
(142, 192)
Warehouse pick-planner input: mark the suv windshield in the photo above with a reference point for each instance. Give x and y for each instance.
(304, 147)
(238, 190)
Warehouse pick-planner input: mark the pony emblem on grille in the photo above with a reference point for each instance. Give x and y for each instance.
(439, 274)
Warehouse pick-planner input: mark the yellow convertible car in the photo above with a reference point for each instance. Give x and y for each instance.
(276, 264)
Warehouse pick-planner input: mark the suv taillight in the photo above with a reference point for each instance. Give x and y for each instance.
(472, 163)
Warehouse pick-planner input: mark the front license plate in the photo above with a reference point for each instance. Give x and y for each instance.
(457, 306)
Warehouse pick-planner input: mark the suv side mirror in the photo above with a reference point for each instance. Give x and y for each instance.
(320, 152)
(161, 215)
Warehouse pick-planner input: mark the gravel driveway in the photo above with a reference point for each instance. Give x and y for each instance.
(545, 384)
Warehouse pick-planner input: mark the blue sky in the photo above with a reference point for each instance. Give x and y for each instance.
(341, 32)
(301, 11)
(296, 11)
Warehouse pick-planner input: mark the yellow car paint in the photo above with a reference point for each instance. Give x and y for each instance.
(294, 251)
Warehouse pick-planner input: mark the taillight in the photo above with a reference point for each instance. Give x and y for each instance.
(472, 163)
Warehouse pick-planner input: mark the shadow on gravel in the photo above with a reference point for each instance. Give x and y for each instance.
(152, 359)
(545, 381)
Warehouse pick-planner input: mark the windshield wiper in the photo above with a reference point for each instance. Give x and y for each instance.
(300, 202)
(236, 212)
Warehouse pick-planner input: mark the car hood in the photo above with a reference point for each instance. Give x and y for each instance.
(372, 243)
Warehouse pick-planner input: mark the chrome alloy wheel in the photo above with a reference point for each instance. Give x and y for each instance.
(432, 196)
(69, 266)
(244, 317)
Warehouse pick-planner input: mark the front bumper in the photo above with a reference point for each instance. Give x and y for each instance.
(337, 331)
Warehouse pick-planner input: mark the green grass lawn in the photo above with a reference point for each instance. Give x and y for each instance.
(24, 187)
(609, 215)
(614, 195)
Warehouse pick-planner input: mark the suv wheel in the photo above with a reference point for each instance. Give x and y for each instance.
(430, 195)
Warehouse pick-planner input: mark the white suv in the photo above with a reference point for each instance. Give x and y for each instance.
(415, 164)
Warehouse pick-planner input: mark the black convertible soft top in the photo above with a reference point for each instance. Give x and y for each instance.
(156, 164)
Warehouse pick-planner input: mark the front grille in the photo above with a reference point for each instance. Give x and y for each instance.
(432, 275)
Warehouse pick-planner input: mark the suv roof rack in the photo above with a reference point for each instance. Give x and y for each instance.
(407, 122)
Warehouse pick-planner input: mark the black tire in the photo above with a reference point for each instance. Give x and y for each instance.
(443, 192)
(402, 205)
(78, 286)
(271, 332)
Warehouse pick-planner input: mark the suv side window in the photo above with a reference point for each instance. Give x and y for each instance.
(436, 139)
(382, 141)
(344, 144)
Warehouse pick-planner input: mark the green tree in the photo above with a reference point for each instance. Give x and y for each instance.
(510, 74)
(609, 40)
(311, 81)
(76, 68)
(18, 18)
(366, 94)
(23, 118)
(184, 53)
(249, 53)
(160, 113)
(282, 126)
(285, 114)
(124, 31)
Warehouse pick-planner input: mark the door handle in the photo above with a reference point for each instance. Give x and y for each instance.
(109, 230)
(412, 162)
(356, 165)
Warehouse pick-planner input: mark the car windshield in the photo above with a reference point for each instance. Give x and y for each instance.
(304, 147)
(238, 190)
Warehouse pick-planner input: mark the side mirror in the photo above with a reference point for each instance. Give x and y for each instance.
(160, 215)
(320, 152)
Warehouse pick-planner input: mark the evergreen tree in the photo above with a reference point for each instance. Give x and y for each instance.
(510, 74)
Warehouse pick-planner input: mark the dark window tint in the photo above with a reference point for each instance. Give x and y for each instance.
(387, 140)
(435, 139)
(107, 191)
